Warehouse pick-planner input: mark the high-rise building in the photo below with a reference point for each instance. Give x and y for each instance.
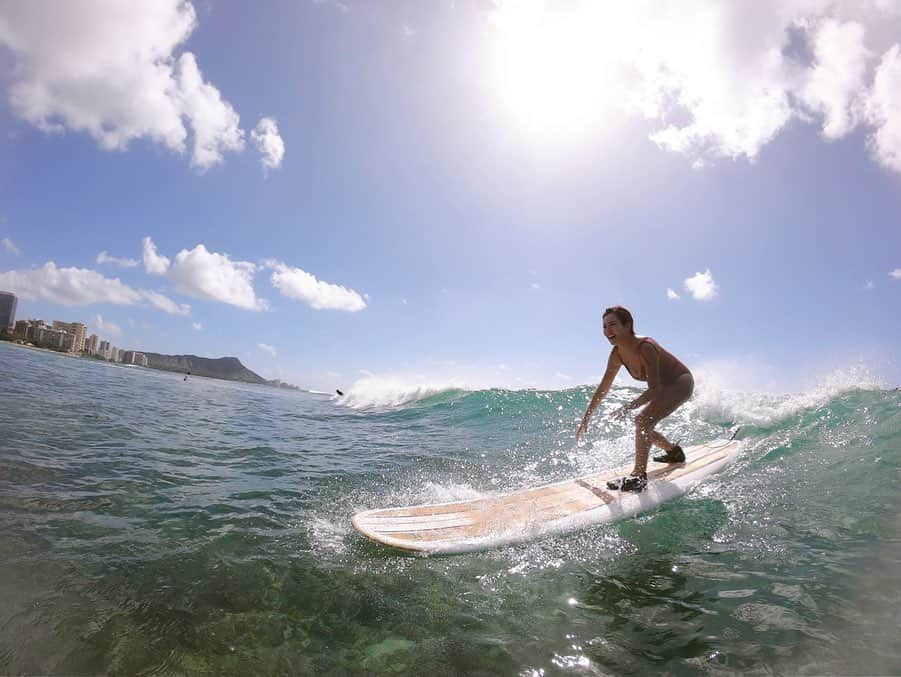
(92, 343)
(55, 338)
(8, 303)
(77, 328)
(134, 357)
(68, 341)
(33, 329)
(104, 349)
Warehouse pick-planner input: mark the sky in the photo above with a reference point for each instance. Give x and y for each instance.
(451, 192)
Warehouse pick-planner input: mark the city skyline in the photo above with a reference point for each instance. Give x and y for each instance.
(57, 337)
(70, 336)
(414, 195)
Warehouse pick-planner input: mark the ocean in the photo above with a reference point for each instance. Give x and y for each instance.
(156, 526)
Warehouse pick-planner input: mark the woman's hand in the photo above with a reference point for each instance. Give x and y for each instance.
(583, 428)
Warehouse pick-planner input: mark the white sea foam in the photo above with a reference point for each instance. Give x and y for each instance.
(329, 534)
(717, 404)
(447, 493)
(376, 392)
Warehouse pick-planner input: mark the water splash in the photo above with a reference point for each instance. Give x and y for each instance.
(715, 404)
(378, 393)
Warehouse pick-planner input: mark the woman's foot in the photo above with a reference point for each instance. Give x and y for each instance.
(674, 455)
(636, 482)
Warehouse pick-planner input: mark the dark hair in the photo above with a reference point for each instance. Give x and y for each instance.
(623, 315)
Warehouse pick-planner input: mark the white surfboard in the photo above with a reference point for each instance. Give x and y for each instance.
(481, 523)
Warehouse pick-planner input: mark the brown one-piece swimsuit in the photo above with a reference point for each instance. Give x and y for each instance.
(671, 367)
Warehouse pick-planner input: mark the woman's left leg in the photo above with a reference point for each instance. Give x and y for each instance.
(658, 440)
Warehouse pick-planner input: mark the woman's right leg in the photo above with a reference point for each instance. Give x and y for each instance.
(671, 399)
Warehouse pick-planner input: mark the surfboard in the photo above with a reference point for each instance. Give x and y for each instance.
(493, 521)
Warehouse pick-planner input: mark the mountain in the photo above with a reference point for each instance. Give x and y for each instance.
(228, 368)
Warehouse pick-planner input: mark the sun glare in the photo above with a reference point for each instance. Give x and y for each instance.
(555, 69)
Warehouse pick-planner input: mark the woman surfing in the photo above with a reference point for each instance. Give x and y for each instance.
(670, 384)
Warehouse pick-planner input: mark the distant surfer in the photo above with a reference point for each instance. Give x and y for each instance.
(340, 394)
(187, 373)
(670, 384)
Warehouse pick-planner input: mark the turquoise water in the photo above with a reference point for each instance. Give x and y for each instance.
(154, 526)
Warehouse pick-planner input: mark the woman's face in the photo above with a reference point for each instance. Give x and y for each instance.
(614, 330)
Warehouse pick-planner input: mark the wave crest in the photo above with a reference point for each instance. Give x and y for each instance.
(378, 393)
(719, 405)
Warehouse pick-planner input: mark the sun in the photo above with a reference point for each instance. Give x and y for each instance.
(555, 71)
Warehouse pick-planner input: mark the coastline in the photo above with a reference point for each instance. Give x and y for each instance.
(171, 371)
(43, 350)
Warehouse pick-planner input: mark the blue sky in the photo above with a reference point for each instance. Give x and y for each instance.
(463, 186)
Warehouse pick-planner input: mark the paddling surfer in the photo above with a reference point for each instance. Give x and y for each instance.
(670, 384)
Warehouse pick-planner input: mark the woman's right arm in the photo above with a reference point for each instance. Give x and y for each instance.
(613, 365)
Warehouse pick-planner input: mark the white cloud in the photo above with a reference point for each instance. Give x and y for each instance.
(266, 348)
(534, 285)
(166, 304)
(81, 286)
(269, 143)
(154, 263)
(299, 284)
(208, 275)
(111, 69)
(214, 121)
(701, 286)
(203, 274)
(9, 246)
(107, 329)
(883, 110)
(68, 286)
(197, 326)
(104, 257)
(837, 76)
(869, 285)
(716, 79)
(896, 273)
(671, 295)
